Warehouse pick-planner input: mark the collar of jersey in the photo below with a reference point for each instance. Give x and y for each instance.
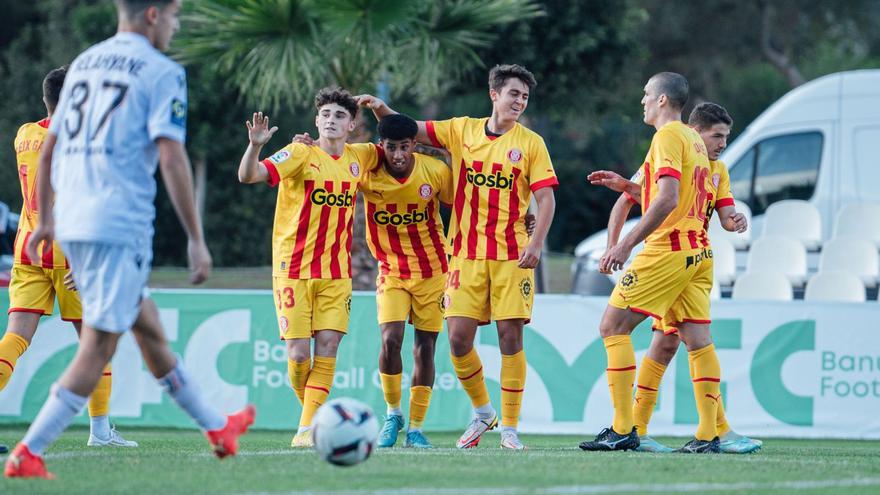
(132, 36)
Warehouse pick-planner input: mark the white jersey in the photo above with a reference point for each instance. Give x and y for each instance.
(118, 98)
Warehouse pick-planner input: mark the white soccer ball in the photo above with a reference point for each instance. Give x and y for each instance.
(345, 432)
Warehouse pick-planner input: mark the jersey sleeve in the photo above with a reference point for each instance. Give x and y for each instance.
(541, 173)
(287, 162)
(369, 155)
(667, 154)
(168, 106)
(638, 178)
(444, 182)
(445, 133)
(725, 197)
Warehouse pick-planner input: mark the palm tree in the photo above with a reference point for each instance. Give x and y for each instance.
(278, 53)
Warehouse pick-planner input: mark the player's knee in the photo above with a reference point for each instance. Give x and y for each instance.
(391, 344)
(460, 344)
(510, 343)
(423, 351)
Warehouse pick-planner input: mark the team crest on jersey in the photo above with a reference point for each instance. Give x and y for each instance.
(354, 168)
(425, 191)
(515, 155)
(716, 179)
(629, 280)
(283, 323)
(279, 157)
(178, 112)
(525, 287)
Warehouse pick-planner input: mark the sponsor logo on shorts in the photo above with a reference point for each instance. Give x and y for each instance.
(283, 323)
(445, 302)
(629, 280)
(441, 302)
(697, 258)
(279, 157)
(515, 155)
(425, 191)
(525, 287)
(354, 168)
(348, 304)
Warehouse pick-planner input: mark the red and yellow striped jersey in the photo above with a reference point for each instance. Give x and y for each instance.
(493, 178)
(314, 212)
(28, 143)
(404, 228)
(678, 151)
(719, 189)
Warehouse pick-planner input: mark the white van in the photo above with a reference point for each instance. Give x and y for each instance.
(820, 142)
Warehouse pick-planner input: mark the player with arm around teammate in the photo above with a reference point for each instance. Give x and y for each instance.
(713, 123)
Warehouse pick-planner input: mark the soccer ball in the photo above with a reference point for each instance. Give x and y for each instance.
(345, 432)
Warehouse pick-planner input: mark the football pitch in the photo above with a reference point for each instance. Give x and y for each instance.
(178, 461)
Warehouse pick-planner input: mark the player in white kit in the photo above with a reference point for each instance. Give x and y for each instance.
(122, 109)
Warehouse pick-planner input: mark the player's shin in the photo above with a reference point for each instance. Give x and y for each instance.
(419, 400)
(392, 392)
(298, 371)
(317, 388)
(469, 370)
(12, 346)
(650, 374)
(706, 378)
(99, 404)
(621, 375)
(60, 408)
(185, 393)
(513, 379)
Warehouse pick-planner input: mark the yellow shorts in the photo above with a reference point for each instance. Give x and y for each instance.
(672, 287)
(33, 289)
(489, 290)
(306, 306)
(418, 299)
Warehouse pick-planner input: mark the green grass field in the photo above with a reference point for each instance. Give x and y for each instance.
(175, 461)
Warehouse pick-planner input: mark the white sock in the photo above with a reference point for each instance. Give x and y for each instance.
(100, 426)
(186, 394)
(508, 429)
(393, 411)
(302, 429)
(419, 430)
(485, 411)
(60, 408)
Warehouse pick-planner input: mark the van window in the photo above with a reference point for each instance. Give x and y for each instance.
(741, 174)
(782, 167)
(786, 168)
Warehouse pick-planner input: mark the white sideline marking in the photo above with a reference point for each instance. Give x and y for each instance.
(607, 488)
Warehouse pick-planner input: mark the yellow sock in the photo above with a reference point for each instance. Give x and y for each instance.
(12, 346)
(299, 374)
(650, 374)
(469, 370)
(391, 389)
(317, 388)
(513, 380)
(621, 375)
(419, 399)
(706, 376)
(99, 402)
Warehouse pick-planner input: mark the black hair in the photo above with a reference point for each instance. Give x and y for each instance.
(397, 126)
(52, 84)
(674, 86)
(130, 8)
(707, 114)
(499, 75)
(339, 96)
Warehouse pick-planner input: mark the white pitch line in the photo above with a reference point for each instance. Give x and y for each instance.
(603, 488)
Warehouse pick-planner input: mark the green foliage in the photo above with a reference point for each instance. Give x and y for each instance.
(280, 52)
